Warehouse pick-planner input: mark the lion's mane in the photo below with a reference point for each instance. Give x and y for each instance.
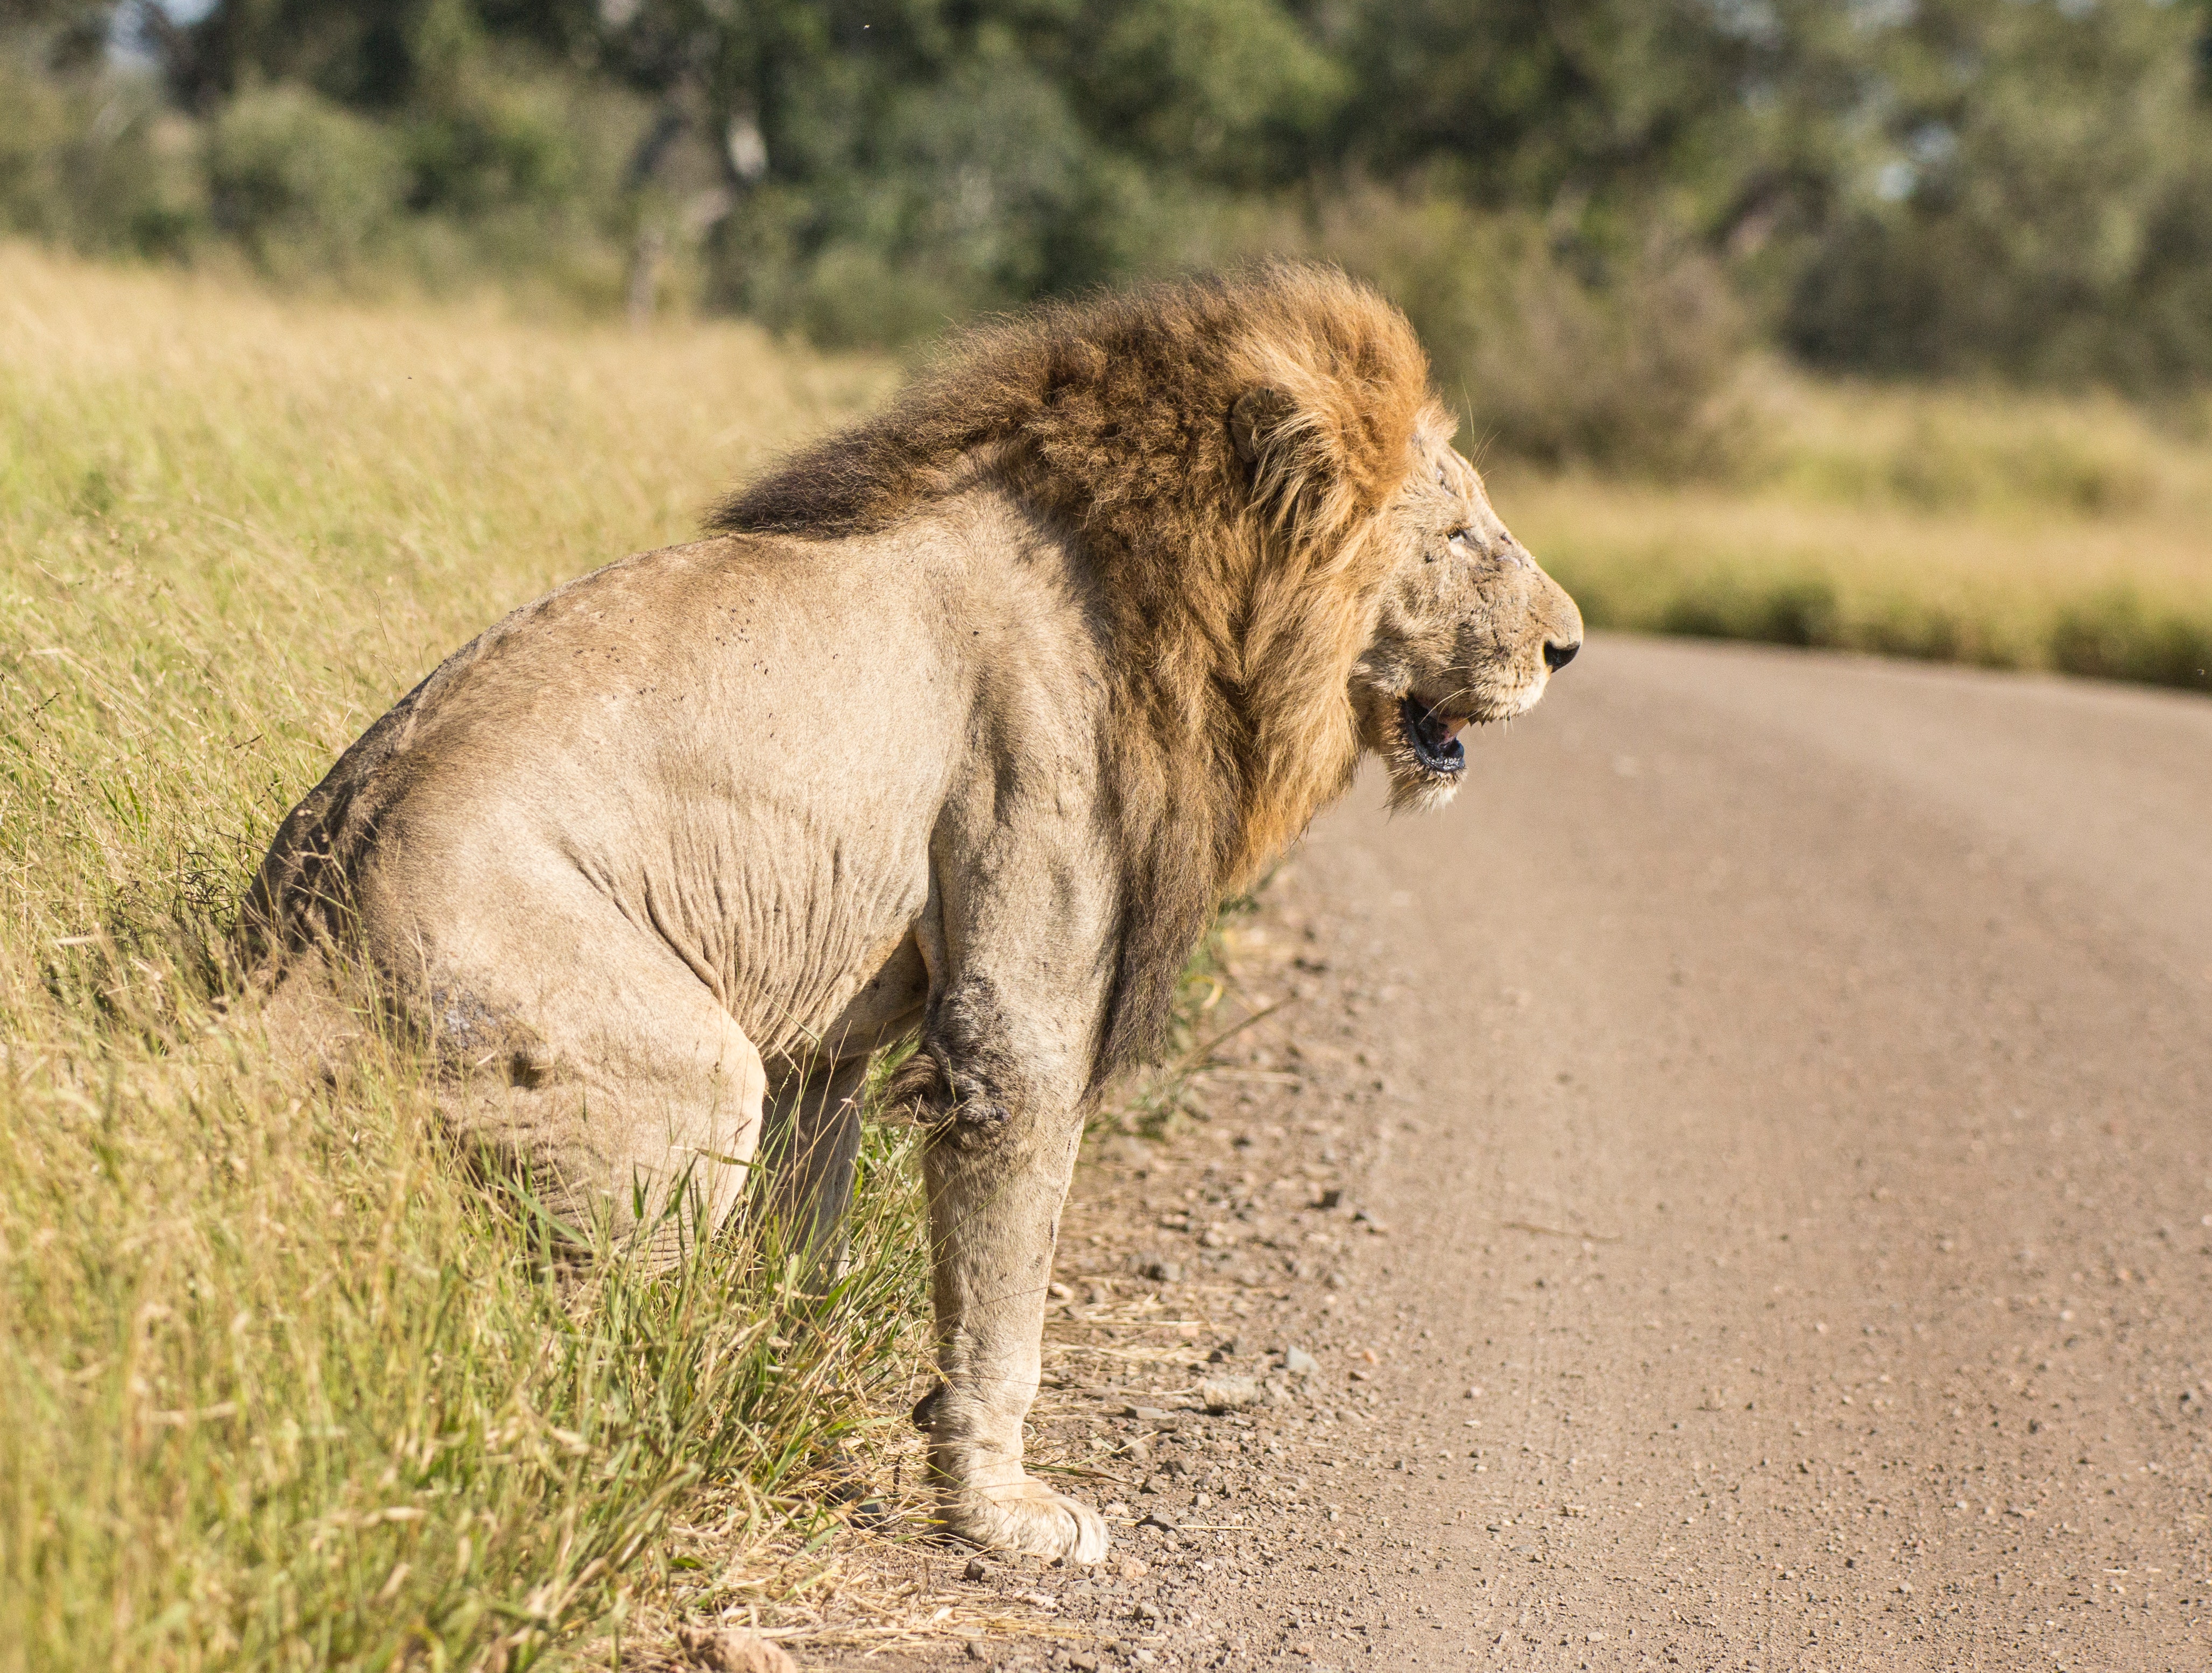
(1236, 594)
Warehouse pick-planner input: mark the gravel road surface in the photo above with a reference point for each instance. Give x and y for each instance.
(1743, 1177)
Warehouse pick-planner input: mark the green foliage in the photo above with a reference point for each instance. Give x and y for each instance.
(2116, 636)
(2043, 204)
(1561, 360)
(368, 54)
(967, 173)
(2018, 188)
(1532, 104)
(1230, 90)
(300, 182)
(98, 164)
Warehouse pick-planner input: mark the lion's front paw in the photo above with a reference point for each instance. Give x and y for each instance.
(1027, 1518)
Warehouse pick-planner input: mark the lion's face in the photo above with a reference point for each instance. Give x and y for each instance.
(1469, 629)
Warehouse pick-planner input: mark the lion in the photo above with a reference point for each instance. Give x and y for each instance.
(955, 728)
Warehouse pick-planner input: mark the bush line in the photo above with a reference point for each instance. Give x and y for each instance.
(2113, 633)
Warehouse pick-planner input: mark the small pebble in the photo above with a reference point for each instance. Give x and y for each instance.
(733, 1650)
(1228, 1394)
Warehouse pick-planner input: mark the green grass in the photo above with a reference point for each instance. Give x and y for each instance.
(277, 1386)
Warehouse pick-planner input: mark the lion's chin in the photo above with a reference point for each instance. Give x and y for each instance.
(1419, 749)
(1415, 790)
(1419, 745)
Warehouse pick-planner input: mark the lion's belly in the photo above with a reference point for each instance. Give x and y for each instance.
(808, 943)
(746, 751)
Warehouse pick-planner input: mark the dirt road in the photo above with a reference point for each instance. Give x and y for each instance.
(1771, 1115)
(1796, 1119)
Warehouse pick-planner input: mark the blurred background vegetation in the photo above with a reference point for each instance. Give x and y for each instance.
(1592, 208)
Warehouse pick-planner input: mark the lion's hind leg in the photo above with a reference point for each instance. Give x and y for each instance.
(811, 1143)
(306, 1017)
(599, 1072)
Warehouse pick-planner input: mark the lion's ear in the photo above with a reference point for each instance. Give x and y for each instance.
(1258, 414)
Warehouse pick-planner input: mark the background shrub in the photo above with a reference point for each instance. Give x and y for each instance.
(2116, 636)
(99, 164)
(1556, 350)
(1591, 207)
(301, 183)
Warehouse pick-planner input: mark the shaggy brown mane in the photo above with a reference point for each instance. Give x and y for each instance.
(1237, 593)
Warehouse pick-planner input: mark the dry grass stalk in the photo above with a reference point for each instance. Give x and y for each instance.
(278, 1385)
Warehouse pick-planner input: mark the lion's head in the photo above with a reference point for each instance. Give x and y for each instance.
(1466, 627)
(1470, 629)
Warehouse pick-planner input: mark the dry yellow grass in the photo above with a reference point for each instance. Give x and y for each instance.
(331, 498)
(276, 1387)
(2016, 530)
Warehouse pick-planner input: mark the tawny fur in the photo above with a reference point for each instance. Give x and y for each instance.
(1237, 600)
(957, 729)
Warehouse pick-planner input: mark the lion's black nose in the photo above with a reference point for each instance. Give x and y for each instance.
(1557, 655)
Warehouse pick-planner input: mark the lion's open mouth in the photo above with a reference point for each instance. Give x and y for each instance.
(1434, 736)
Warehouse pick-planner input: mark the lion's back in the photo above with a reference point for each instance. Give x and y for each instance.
(746, 744)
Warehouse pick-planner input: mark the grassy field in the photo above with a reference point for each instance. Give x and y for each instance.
(275, 1386)
(2011, 530)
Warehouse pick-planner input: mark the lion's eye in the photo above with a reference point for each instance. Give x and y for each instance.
(1461, 539)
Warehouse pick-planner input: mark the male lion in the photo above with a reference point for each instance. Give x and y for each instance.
(959, 724)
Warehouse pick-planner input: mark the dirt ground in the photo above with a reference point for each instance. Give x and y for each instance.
(1735, 1191)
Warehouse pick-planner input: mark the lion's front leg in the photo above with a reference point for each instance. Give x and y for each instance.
(995, 1203)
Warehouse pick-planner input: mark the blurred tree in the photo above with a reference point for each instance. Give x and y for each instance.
(67, 35)
(2018, 186)
(890, 166)
(2037, 200)
(1532, 102)
(84, 159)
(1237, 91)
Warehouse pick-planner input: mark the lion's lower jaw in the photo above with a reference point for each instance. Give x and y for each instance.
(1415, 791)
(1023, 1516)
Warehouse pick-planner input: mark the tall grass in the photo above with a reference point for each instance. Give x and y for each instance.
(277, 1387)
